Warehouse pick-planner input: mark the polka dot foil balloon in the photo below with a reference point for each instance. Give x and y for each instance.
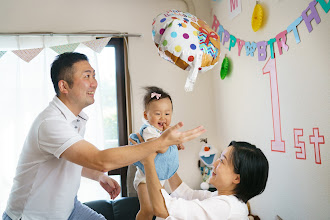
(186, 41)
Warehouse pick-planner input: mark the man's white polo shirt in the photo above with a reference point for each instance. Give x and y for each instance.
(45, 185)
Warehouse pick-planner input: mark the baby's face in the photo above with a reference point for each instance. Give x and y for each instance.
(159, 113)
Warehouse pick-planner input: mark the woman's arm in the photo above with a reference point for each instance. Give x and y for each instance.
(211, 208)
(154, 188)
(175, 181)
(181, 208)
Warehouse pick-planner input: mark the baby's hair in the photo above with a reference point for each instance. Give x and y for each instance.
(153, 89)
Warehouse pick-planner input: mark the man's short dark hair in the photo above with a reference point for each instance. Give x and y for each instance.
(62, 68)
(252, 166)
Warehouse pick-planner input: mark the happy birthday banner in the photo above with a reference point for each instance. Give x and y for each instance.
(280, 39)
(29, 54)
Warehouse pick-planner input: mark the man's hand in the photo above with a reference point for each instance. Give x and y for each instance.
(110, 185)
(180, 146)
(174, 137)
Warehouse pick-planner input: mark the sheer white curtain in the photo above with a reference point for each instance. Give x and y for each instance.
(26, 89)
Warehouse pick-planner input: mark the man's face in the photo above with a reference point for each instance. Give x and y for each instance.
(84, 85)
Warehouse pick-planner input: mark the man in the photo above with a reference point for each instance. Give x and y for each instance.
(55, 154)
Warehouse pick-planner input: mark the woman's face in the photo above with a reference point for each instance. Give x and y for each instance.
(223, 176)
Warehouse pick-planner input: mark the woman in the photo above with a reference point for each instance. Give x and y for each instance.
(239, 174)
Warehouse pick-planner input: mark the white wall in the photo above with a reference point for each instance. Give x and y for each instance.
(145, 65)
(297, 189)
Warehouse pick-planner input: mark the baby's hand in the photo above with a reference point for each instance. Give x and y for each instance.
(180, 146)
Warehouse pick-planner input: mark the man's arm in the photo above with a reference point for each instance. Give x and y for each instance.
(91, 174)
(87, 155)
(110, 185)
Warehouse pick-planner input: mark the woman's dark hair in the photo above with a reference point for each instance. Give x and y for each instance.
(148, 96)
(62, 68)
(252, 166)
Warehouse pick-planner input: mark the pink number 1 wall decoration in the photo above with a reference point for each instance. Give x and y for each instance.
(277, 144)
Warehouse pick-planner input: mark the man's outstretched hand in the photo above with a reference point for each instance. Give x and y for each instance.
(174, 137)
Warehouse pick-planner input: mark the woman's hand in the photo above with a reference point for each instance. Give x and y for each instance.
(140, 139)
(149, 159)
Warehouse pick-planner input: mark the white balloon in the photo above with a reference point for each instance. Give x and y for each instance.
(186, 41)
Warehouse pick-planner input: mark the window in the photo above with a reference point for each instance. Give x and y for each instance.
(114, 113)
(111, 86)
(118, 45)
(28, 91)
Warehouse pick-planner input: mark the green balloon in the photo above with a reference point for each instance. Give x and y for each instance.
(224, 68)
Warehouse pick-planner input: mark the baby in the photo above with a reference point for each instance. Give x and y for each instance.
(158, 111)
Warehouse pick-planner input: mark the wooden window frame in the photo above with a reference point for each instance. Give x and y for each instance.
(118, 44)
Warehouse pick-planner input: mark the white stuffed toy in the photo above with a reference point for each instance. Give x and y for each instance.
(207, 156)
